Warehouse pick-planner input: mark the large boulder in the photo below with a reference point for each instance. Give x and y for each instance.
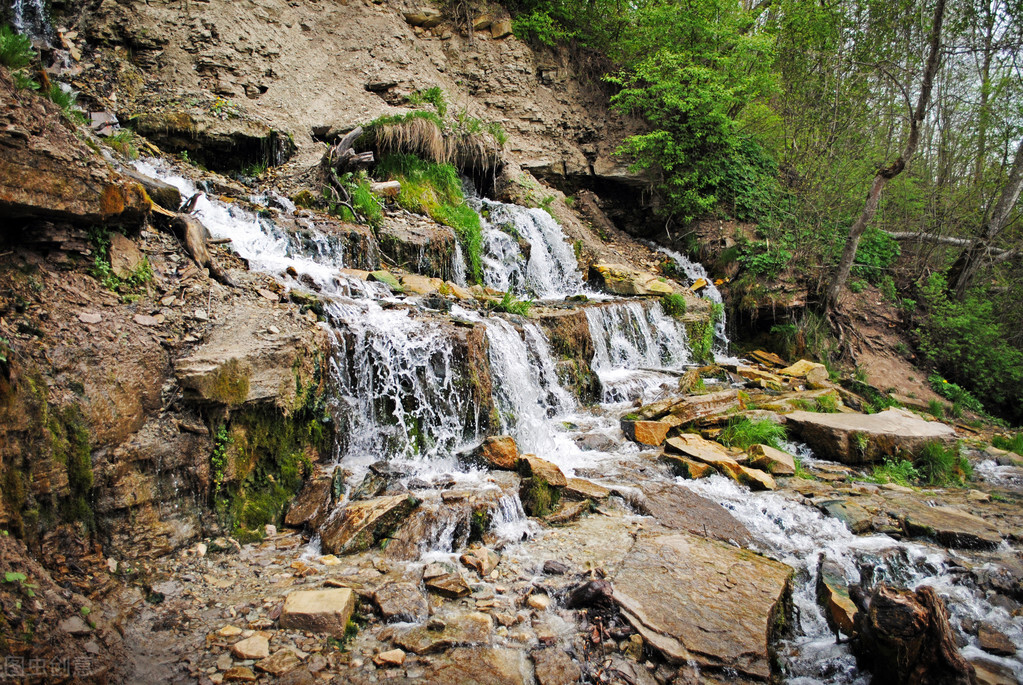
(625, 280)
(681, 410)
(816, 375)
(697, 600)
(866, 438)
(947, 525)
(650, 433)
(364, 522)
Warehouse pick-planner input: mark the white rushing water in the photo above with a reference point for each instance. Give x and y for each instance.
(695, 271)
(550, 273)
(635, 343)
(29, 17)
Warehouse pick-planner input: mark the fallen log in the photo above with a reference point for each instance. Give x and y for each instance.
(195, 235)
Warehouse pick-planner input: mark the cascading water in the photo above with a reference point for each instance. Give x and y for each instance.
(550, 273)
(634, 344)
(696, 271)
(29, 17)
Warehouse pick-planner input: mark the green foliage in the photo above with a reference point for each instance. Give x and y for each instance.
(218, 459)
(5, 350)
(742, 432)
(875, 254)
(15, 49)
(940, 465)
(674, 305)
(129, 287)
(67, 100)
(763, 259)
(24, 81)
(539, 28)
(21, 581)
(969, 342)
(1012, 443)
(436, 190)
(351, 191)
(433, 96)
(512, 305)
(124, 142)
(958, 395)
(800, 470)
(824, 404)
(899, 471)
(936, 409)
(857, 286)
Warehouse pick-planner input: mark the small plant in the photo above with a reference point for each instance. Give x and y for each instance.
(857, 286)
(218, 460)
(512, 305)
(743, 432)
(21, 581)
(1012, 443)
(801, 471)
(24, 81)
(349, 197)
(900, 472)
(128, 287)
(940, 465)
(15, 49)
(433, 96)
(955, 393)
(67, 100)
(224, 108)
(124, 142)
(936, 409)
(674, 305)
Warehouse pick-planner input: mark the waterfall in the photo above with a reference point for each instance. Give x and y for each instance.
(634, 343)
(551, 272)
(526, 387)
(29, 17)
(695, 271)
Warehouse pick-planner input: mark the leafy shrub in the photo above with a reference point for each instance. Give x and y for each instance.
(353, 189)
(940, 465)
(15, 49)
(539, 28)
(875, 254)
(435, 189)
(762, 259)
(674, 305)
(129, 287)
(124, 142)
(743, 432)
(957, 394)
(857, 286)
(23, 81)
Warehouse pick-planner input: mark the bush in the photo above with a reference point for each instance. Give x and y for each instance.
(538, 28)
(960, 396)
(876, 253)
(15, 49)
(433, 96)
(743, 432)
(354, 190)
(674, 305)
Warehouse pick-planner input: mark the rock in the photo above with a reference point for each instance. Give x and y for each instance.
(240, 674)
(474, 628)
(90, 317)
(906, 636)
(767, 358)
(774, 461)
(388, 279)
(225, 662)
(318, 611)
(282, 661)
(682, 509)
(568, 512)
(761, 379)
(426, 17)
(684, 410)
(978, 496)
(125, 257)
(315, 495)
(481, 560)
(756, 479)
(816, 375)
(229, 631)
(833, 595)
(255, 647)
(949, 526)
(579, 489)
(620, 279)
(392, 657)
(75, 625)
(163, 194)
(553, 567)
(479, 666)
(597, 594)
(706, 601)
(866, 438)
(707, 452)
(539, 601)
(685, 467)
(362, 523)
(991, 672)
(856, 518)
(501, 28)
(445, 581)
(385, 188)
(531, 466)
(144, 320)
(995, 641)
(401, 601)
(555, 667)
(646, 432)
(498, 452)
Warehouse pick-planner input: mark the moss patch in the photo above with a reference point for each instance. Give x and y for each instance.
(539, 498)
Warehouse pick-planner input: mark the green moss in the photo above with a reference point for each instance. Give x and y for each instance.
(674, 305)
(539, 498)
(230, 385)
(479, 524)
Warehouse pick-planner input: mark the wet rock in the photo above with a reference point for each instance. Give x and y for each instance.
(757, 377)
(481, 560)
(767, 358)
(498, 452)
(685, 467)
(474, 628)
(539, 601)
(756, 479)
(282, 661)
(318, 611)
(994, 641)
(866, 438)
(856, 518)
(364, 522)
(555, 667)
(479, 666)
(774, 461)
(579, 488)
(620, 279)
(567, 512)
(707, 452)
(530, 466)
(682, 509)
(419, 244)
(255, 647)
(388, 279)
(646, 432)
(555, 568)
(833, 595)
(816, 375)
(401, 602)
(392, 657)
(990, 672)
(316, 494)
(592, 593)
(445, 580)
(949, 526)
(682, 410)
(240, 674)
(706, 601)
(906, 637)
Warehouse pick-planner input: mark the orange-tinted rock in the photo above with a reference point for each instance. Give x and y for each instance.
(646, 432)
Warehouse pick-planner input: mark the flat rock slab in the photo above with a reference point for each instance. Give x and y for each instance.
(707, 452)
(690, 408)
(701, 600)
(855, 517)
(363, 522)
(866, 438)
(682, 509)
(318, 611)
(650, 433)
(949, 526)
(580, 488)
(774, 461)
(402, 601)
(480, 666)
(471, 629)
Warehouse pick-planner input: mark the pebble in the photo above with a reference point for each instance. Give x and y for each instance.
(89, 317)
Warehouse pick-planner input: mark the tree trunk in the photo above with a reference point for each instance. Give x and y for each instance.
(841, 273)
(969, 261)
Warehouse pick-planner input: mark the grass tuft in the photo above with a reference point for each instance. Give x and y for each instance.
(512, 305)
(899, 471)
(743, 432)
(674, 305)
(940, 465)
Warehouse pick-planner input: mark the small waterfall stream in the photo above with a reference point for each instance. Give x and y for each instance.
(29, 17)
(400, 395)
